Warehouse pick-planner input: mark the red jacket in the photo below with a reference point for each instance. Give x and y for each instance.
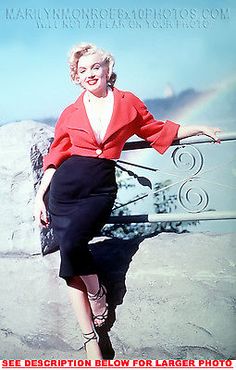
(74, 134)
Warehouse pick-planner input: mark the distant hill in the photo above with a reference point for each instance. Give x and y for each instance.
(167, 108)
(162, 108)
(51, 121)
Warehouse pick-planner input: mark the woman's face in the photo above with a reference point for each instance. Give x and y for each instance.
(92, 73)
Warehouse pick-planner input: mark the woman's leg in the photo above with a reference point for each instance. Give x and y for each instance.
(79, 299)
(97, 298)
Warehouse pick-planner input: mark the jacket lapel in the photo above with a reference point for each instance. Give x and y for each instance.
(81, 120)
(123, 114)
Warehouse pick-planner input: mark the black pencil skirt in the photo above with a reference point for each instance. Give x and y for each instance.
(82, 194)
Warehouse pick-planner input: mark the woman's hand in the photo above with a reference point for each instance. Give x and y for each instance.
(187, 131)
(211, 132)
(40, 213)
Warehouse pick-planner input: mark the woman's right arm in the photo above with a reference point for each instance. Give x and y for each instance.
(40, 213)
(59, 151)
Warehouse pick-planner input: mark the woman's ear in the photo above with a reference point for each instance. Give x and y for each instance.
(110, 64)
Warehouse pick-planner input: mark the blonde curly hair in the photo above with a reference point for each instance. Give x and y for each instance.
(87, 49)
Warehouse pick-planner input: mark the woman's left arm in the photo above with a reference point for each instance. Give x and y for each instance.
(186, 131)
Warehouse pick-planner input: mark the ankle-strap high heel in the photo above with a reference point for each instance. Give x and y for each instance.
(96, 297)
(88, 337)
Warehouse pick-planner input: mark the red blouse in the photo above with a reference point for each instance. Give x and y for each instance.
(74, 134)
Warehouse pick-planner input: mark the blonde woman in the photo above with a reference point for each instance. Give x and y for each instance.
(80, 169)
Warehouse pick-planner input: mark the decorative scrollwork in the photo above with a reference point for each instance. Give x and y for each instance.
(192, 198)
(188, 159)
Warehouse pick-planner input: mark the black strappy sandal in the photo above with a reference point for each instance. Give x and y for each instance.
(96, 297)
(88, 337)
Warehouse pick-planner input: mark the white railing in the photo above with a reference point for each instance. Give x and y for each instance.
(197, 159)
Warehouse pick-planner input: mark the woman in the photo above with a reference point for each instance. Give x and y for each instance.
(80, 169)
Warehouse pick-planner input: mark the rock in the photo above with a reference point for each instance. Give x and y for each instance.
(22, 146)
(179, 301)
(181, 298)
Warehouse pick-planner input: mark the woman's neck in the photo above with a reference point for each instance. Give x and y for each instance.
(95, 97)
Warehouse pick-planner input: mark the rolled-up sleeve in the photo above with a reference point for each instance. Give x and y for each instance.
(60, 147)
(159, 134)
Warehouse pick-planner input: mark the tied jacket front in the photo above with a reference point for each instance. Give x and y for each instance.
(74, 134)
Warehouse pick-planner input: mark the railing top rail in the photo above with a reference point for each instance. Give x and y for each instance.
(141, 144)
(172, 217)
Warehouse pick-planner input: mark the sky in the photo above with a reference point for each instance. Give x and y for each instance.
(155, 43)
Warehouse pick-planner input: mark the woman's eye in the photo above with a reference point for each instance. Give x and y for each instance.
(96, 67)
(82, 71)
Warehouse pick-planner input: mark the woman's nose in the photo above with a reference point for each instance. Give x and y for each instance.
(90, 73)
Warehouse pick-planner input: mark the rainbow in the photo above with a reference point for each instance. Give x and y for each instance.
(189, 114)
(193, 113)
